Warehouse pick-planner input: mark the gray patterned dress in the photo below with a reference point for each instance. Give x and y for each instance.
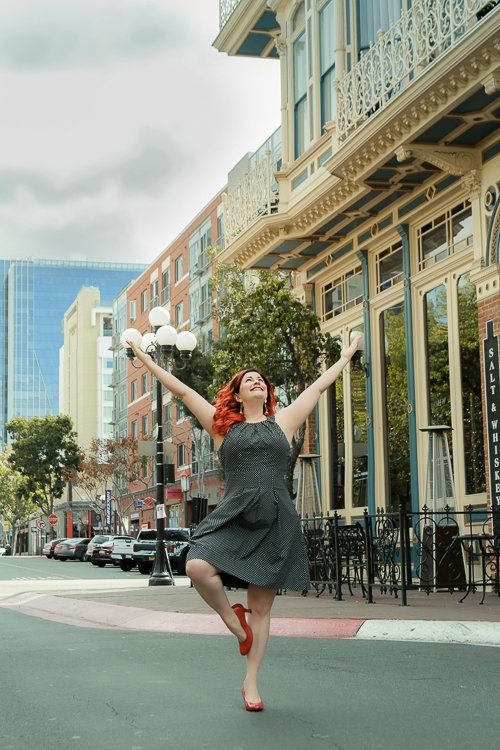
(254, 534)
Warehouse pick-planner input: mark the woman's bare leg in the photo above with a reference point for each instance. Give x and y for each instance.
(208, 584)
(260, 601)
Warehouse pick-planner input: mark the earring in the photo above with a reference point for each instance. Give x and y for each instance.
(265, 408)
(241, 407)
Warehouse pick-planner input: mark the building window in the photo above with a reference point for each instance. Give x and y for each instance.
(179, 314)
(178, 269)
(144, 383)
(165, 286)
(438, 362)
(337, 445)
(145, 425)
(154, 293)
(327, 62)
(359, 432)
(445, 235)
(301, 129)
(181, 455)
(470, 371)
(389, 267)
(133, 427)
(107, 327)
(144, 300)
(395, 401)
(133, 390)
(373, 15)
(133, 309)
(342, 293)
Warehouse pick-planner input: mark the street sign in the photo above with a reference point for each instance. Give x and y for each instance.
(52, 520)
(40, 524)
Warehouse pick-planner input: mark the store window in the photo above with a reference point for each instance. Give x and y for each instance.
(445, 235)
(470, 377)
(359, 430)
(395, 403)
(337, 444)
(438, 363)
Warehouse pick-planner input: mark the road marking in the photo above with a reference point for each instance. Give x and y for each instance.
(38, 578)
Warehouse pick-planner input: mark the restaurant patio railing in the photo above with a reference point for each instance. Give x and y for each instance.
(393, 553)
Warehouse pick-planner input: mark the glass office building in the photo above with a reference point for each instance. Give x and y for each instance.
(34, 295)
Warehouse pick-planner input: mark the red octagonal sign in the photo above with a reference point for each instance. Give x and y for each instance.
(52, 519)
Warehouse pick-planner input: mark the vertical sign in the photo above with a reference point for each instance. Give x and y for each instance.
(492, 392)
(109, 509)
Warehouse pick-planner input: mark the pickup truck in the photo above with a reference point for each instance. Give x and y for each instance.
(141, 551)
(176, 546)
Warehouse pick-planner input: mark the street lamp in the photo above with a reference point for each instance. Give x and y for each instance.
(160, 344)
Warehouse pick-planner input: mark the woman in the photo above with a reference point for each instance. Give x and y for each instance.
(253, 538)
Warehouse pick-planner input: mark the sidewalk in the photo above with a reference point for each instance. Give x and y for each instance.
(434, 618)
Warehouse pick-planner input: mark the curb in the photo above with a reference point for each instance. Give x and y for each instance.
(82, 613)
(432, 631)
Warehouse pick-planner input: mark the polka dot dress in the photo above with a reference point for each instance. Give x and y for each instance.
(254, 535)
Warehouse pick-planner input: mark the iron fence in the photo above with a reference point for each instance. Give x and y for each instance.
(394, 552)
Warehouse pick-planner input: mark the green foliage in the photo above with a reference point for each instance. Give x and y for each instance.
(15, 504)
(44, 452)
(264, 325)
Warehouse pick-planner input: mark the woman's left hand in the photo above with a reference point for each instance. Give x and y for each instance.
(349, 351)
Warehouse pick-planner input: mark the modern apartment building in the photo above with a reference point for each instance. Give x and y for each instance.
(34, 296)
(383, 200)
(87, 367)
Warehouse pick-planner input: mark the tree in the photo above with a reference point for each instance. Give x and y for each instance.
(94, 475)
(44, 451)
(263, 325)
(16, 506)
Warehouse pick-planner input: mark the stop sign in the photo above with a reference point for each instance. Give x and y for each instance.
(52, 519)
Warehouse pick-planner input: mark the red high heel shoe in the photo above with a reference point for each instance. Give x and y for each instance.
(251, 706)
(245, 645)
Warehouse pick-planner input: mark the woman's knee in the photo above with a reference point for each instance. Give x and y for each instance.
(197, 569)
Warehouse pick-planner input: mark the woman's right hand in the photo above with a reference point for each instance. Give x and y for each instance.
(142, 356)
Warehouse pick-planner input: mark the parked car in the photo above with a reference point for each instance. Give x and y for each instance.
(50, 545)
(4, 550)
(71, 549)
(96, 540)
(101, 554)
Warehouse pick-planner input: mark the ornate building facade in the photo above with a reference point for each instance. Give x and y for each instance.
(383, 201)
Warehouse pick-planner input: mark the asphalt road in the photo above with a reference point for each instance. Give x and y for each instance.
(36, 568)
(64, 687)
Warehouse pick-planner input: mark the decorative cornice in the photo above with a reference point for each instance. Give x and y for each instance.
(280, 44)
(472, 183)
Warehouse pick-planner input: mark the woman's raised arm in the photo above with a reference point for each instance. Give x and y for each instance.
(291, 417)
(200, 407)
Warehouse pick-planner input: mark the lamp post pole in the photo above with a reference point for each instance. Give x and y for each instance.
(160, 345)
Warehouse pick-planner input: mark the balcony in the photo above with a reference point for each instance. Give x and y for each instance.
(421, 36)
(226, 9)
(256, 195)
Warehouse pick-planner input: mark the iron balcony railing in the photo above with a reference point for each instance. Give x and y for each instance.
(418, 38)
(226, 10)
(256, 195)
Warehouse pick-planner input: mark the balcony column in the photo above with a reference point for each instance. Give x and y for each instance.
(340, 40)
(281, 45)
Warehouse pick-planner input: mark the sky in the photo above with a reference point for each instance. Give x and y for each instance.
(118, 123)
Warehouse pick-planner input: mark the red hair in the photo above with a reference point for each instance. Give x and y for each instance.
(227, 408)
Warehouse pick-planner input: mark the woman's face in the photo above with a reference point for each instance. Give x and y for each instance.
(252, 388)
